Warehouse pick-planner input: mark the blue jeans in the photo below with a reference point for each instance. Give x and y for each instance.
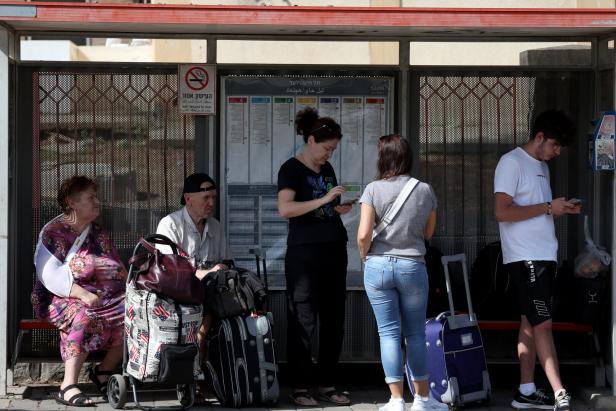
(398, 292)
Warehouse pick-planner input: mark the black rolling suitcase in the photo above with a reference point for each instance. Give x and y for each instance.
(241, 359)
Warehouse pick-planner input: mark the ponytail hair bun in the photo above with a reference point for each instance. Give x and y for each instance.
(308, 123)
(305, 119)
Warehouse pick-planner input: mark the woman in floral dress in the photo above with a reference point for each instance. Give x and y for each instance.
(80, 288)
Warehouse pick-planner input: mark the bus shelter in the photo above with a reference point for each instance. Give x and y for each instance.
(122, 123)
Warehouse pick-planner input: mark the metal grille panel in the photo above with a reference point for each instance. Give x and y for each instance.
(121, 128)
(466, 124)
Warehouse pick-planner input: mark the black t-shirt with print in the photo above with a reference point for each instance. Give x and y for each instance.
(320, 225)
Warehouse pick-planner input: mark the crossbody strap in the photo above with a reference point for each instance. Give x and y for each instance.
(77, 244)
(393, 211)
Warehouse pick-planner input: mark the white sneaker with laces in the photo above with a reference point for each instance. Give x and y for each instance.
(394, 404)
(562, 401)
(429, 404)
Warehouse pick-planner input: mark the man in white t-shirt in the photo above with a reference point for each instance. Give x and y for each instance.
(525, 211)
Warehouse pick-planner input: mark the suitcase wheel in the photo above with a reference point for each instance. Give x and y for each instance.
(116, 391)
(186, 394)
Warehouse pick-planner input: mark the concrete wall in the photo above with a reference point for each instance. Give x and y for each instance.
(49, 50)
(262, 52)
(123, 53)
(489, 53)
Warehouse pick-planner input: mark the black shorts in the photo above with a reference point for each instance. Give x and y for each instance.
(533, 282)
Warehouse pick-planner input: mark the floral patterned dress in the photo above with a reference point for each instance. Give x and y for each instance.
(97, 268)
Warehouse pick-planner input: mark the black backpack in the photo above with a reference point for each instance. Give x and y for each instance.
(492, 292)
(232, 292)
(580, 300)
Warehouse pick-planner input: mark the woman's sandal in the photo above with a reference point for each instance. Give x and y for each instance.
(93, 374)
(335, 397)
(303, 399)
(77, 400)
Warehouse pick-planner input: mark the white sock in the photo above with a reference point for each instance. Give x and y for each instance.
(528, 388)
(561, 391)
(396, 399)
(423, 398)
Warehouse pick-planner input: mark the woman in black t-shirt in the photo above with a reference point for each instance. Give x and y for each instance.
(316, 259)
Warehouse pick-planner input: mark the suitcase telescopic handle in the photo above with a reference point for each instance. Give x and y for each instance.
(458, 258)
(260, 258)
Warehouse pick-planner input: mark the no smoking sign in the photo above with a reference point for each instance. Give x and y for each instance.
(197, 89)
(196, 78)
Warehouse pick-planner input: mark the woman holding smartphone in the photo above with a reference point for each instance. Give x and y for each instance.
(316, 259)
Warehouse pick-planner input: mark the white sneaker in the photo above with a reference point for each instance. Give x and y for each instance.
(430, 404)
(563, 401)
(394, 404)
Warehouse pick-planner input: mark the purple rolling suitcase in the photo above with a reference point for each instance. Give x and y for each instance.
(456, 359)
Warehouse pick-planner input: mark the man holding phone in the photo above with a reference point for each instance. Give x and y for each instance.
(525, 210)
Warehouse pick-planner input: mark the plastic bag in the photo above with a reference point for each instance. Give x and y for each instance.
(593, 260)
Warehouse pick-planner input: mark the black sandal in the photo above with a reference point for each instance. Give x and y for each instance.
(77, 400)
(330, 395)
(303, 399)
(93, 374)
(200, 391)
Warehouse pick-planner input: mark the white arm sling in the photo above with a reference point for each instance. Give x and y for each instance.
(54, 274)
(393, 211)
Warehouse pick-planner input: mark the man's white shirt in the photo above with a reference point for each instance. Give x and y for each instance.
(180, 228)
(527, 181)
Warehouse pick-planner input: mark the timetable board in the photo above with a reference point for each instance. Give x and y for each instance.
(258, 135)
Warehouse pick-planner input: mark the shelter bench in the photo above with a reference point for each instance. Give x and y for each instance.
(594, 358)
(26, 326)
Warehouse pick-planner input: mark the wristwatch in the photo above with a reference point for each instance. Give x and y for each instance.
(549, 212)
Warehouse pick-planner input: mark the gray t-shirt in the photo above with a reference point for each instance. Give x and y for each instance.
(404, 236)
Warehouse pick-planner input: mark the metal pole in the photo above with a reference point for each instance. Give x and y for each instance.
(5, 45)
(402, 125)
(205, 129)
(406, 99)
(613, 263)
(613, 283)
(212, 146)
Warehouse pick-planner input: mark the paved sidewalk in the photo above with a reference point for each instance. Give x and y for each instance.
(364, 399)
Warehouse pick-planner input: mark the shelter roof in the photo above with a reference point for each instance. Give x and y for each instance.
(305, 22)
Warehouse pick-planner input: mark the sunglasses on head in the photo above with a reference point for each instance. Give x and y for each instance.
(322, 127)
